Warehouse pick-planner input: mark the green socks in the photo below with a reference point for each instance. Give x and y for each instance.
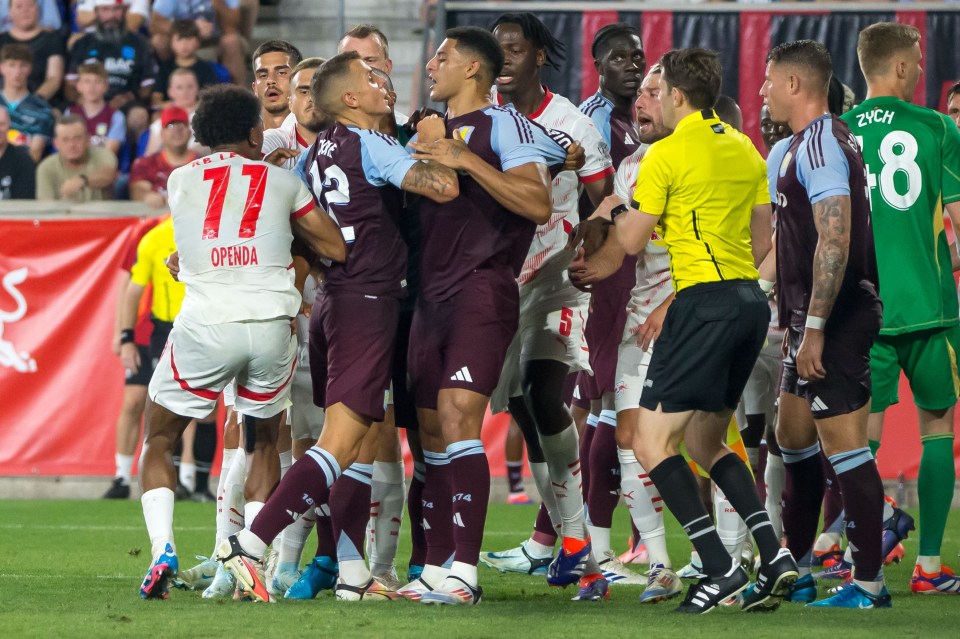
(935, 485)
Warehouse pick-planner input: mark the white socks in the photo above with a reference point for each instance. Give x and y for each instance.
(158, 515)
(646, 507)
(294, 538)
(286, 461)
(387, 492)
(464, 571)
(541, 477)
(730, 527)
(230, 501)
(775, 477)
(188, 475)
(124, 467)
(562, 453)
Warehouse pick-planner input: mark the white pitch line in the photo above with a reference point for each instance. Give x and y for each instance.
(89, 527)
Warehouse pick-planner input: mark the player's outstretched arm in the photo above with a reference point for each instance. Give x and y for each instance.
(831, 216)
(318, 229)
(129, 355)
(761, 232)
(432, 180)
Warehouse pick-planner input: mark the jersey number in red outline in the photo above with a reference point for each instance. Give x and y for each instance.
(220, 176)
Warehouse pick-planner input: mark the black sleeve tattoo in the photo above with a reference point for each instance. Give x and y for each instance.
(832, 218)
(429, 178)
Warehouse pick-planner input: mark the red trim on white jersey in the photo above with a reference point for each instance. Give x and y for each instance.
(246, 393)
(306, 208)
(587, 179)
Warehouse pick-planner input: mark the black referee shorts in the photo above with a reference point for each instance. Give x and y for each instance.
(710, 341)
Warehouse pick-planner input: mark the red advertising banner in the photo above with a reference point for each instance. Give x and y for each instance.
(60, 384)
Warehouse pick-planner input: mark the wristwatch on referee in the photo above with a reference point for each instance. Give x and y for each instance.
(617, 210)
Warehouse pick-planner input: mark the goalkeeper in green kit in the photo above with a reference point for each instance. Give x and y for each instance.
(912, 156)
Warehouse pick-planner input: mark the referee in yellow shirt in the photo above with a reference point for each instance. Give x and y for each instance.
(705, 184)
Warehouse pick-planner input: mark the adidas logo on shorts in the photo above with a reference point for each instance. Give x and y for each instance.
(463, 375)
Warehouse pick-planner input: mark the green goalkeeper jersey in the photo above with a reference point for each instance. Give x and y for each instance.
(912, 157)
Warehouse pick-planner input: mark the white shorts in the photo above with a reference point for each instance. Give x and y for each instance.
(549, 329)
(199, 361)
(305, 417)
(763, 387)
(632, 365)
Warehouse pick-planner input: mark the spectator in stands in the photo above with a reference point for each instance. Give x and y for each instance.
(50, 18)
(372, 45)
(273, 64)
(49, 53)
(184, 43)
(137, 16)
(127, 58)
(105, 125)
(148, 177)
(218, 23)
(184, 93)
(77, 172)
(17, 171)
(953, 103)
(31, 118)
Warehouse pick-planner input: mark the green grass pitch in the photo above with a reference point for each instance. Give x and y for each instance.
(72, 569)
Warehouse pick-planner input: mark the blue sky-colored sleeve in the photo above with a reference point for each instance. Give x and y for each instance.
(300, 168)
(118, 127)
(384, 160)
(514, 141)
(823, 169)
(774, 160)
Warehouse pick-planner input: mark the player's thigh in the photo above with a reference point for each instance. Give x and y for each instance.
(263, 386)
(360, 333)
(704, 354)
(884, 373)
(483, 323)
(509, 385)
(196, 364)
(929, 360)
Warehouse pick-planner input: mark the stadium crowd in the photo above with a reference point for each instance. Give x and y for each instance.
(567, 240)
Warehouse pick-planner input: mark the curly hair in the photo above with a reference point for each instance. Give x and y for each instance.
(225, 115)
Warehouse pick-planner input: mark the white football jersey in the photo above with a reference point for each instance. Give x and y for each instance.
(231, 223)
(654, 283)
(286, 136)
(559, 114)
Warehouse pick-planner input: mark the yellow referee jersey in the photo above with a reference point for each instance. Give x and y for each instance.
(703, 181)
(151, 268)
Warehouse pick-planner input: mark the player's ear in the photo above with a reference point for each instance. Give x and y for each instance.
(541, 57)
(473, 69)
(349, 99)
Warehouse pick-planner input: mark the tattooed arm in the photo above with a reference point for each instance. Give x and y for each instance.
(432, 180)
(832, 219)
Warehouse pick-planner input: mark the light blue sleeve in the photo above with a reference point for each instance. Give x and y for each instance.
(601, 119)
(518, 141)
(384, 160)
(300, 168)
(823, 169)
(774, 160)
(118, 127)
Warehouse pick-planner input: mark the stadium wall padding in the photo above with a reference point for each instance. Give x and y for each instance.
(743, 40)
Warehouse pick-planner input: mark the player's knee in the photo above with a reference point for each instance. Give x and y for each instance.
(624, 437)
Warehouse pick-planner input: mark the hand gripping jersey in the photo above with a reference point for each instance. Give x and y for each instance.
(355, 175)
(287, 136)
(231, 220)
(547, 260)
(475, 230)
(912, 158)
(822, 161)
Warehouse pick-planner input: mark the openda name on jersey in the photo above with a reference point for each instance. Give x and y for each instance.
(234, 256)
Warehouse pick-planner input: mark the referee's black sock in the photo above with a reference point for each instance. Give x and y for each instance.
(733, 478)
(678, 488)
(204, 450)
